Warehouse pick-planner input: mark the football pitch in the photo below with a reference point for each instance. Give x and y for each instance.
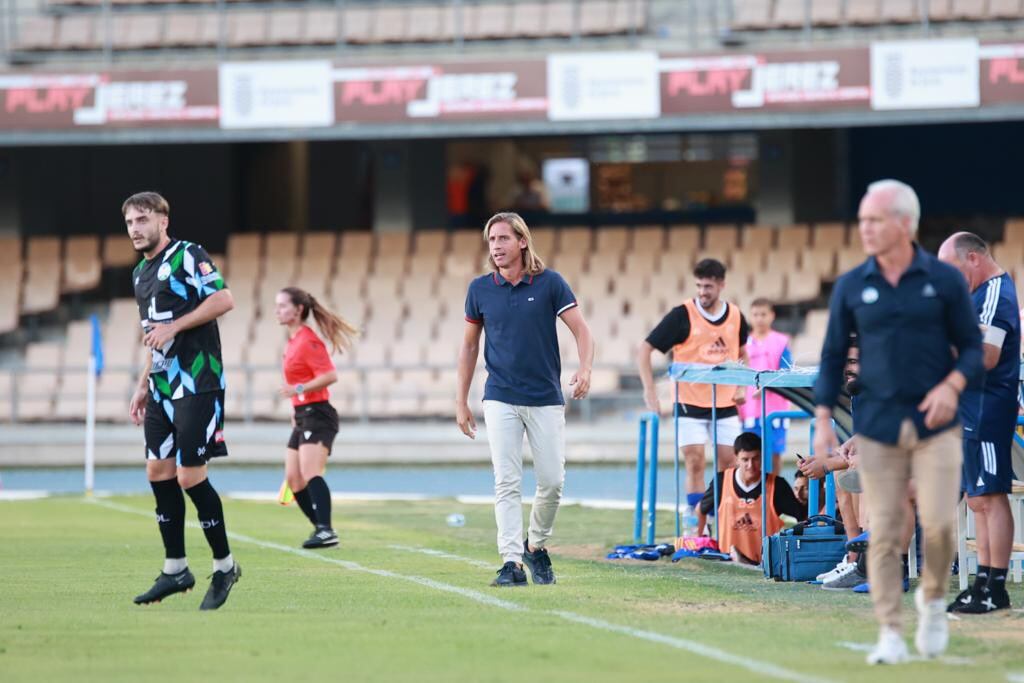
(406, 598)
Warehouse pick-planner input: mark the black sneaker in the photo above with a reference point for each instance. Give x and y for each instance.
(322, 537)
(165, 585)
(220, 586)
(510, 574)
(984, 602)
(539, 564)
(965, 597)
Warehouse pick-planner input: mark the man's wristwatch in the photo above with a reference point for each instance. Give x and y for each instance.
(299, 389)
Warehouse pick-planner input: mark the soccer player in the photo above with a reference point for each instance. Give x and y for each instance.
(180, 394)
(705, 329)
(989, 416)
(919, 349)
(518, 306)
(308, 371)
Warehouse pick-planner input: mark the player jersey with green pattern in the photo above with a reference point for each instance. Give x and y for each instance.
(170, 285)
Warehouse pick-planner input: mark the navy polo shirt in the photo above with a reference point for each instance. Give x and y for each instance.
(906, 334)
(520, 340)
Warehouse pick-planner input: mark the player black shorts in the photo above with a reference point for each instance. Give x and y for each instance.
(189, 429)
(314, 423)
(988, 466)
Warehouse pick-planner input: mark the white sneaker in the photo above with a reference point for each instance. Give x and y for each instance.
(932, 626)
(890, 648)
(845, 579)
(832, 572)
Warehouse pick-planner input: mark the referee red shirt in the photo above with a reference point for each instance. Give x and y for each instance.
(305, 358)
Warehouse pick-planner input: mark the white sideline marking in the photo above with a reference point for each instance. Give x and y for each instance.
(944, 659)
(707, 651)
(442, 554)
(347, 564)
(1015, 678)
(16, 494)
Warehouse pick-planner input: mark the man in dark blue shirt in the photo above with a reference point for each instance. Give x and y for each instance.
(518, 305)
(988, 412)
(910, 312)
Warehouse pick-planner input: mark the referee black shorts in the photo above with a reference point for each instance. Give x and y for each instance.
(314, 423)
(189, 429)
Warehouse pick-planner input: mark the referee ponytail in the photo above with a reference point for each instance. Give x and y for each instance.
(338, 331)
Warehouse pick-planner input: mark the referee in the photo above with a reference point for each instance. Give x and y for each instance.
(308, 371)
(910, 312)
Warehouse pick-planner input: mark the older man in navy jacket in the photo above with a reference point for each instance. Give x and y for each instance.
(919, 346)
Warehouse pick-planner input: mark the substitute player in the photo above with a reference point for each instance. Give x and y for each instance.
(704, 329)
(180, 395)
(989, 416)
(518, 305)
(308, 371)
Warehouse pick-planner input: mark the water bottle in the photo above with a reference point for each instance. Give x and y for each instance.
(455, 520)
(689, 521)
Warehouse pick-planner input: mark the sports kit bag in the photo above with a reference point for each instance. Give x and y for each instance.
(810, 548)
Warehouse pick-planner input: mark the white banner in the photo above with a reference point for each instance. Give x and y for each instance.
(925, 74)
(612, 85)
(276, 94)
(568, 184)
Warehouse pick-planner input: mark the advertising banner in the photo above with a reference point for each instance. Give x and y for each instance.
(440, 92)
(603, 85)
(151, 99)
(925, 74)
(1002, 73)
(294, 94)
(769, 81)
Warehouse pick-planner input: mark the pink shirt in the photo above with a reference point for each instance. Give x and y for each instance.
(765, 354)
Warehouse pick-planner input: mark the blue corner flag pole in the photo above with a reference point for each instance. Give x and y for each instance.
(95, 368)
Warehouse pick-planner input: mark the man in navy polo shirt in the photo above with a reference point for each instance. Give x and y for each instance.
(989, 416)
(910, 313)
(518, 305)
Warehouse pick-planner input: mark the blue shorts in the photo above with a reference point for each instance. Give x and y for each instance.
(987, 467)
(778, 433)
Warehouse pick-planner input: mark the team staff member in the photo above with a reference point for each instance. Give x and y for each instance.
(705, 329)
(910, 312)
(739, 510)
(989, 417)
(518, 305)
(180, 394)
(308, 371)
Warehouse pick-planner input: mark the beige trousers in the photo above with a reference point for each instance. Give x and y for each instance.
(886, 470)
(545, 429)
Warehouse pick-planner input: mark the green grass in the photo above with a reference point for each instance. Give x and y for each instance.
(69, 568)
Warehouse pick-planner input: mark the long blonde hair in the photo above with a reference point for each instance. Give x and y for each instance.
(340, 332)
(532, 263)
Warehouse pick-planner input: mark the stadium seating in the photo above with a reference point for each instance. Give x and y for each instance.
(136, 26)
(763, 15)
(406, 291)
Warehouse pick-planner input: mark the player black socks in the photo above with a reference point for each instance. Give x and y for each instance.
(306, 504)
(170, 516)
(996, 580)
(321, 497)
(211, 517)
(981, 578)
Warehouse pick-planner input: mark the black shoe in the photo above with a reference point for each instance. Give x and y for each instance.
(510, 574)
(322, 537)
(985, 602)
(220, 586)
(167, 584)
(539, 564)
(964, 598)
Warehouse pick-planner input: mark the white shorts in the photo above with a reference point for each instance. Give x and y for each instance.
(697, 431)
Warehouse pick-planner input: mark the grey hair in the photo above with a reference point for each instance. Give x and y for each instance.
(904, 200)
(968, 243)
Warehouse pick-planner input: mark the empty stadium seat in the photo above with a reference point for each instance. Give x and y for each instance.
(612, 239)
(528, 20)
(191, 29)
(38, 384)
(802, 286)
(862, 12)
(36, 33)
(821, 261)
(794, 237)
(789, 13)
(827, 12)
(430, 24)
(322, 27)
(830, 235)
(751, 14)
(137, 31)
(118, 252)
(1005, 9)
(10, 297)
(482, 22)
(82, 267)
(900, 11)
(286, 27)
(42, 285)
(648, 238)
(683, 241)
(357, 26)
(575, 240)
(720, 239)
(758, 237)
(77, 32)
